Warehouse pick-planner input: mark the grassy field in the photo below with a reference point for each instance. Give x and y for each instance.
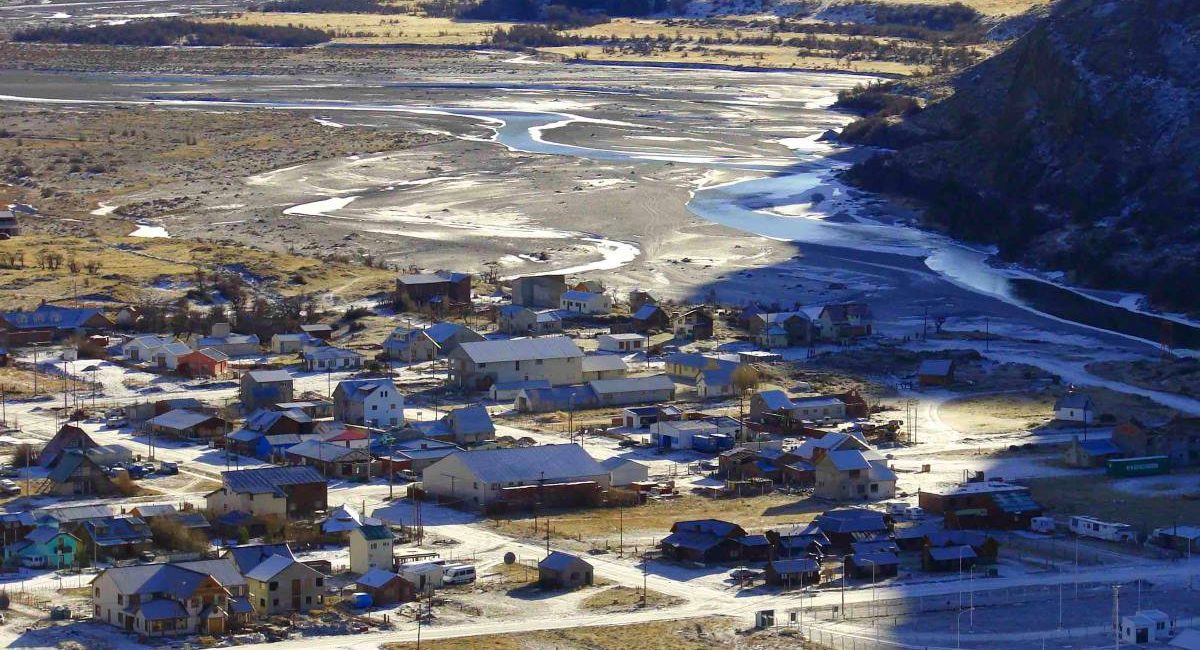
(765, 56)
(697, 634)
(655, 518)
(18, 381)
(129, 266)
(986, 7)
(380, 29)
(1097, 496)
(622, 598)
(1002, 413)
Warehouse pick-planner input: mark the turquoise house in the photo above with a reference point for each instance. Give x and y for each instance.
(45, 547)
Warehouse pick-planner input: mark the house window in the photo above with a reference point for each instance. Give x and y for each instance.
(120, 600)
(320, 582)
(275, 602)
(308, 600)
(262, 602)
(274, 586)
(538, 362)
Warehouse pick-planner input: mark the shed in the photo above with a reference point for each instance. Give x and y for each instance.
(948, 558)
(564, 571)
(385, 587)
(936, 372)
(800, 572)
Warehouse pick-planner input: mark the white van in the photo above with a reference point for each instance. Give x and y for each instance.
(915, 512)
(896, 508)
(459, 574)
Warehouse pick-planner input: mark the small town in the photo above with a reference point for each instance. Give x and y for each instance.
(432, 464)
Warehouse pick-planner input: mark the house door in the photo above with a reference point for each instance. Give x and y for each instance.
(216, 625)
(296, 595)
(1143, 635)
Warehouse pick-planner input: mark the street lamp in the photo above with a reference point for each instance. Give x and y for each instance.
(844, 576)
(958, 627)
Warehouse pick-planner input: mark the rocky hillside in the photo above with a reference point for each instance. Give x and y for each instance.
(1077, 148)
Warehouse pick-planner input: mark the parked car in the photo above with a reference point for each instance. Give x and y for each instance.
(9, 488)
(8, 472)
(168, 469)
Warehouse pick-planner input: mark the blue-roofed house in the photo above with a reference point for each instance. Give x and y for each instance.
(798, 572)
(279, 491)
(183, 424)
(560, 570)
(368, 402)
(222, 337)
(281, 585)
(463, 426)
(207, 597)
(428, 343)
(265, 388)
(329, 359)
(704, 541)
(385, 587)
(247, 556)
(485, 478)
(334, 461)
(650, 318)
(519, 320)
(1091, 453)
(51, 322)
(115, 537)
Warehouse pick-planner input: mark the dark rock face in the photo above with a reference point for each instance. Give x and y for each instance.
(1078, 148)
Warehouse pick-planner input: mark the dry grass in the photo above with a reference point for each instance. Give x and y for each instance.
(622, 598)
(18, 381)
(986, 7)
(129, 265)
(1004, 413)
(380, 29)
(1096, 496)
(655, 518)
(698, 634)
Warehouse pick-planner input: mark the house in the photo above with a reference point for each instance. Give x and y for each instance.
(183, 424)
(141, 349)
(293, 343)
(205, 362)
(585, 302)
(428, 343)
(1091, 453)
(113, 537)
(279, 420)
(1184, 539)
(517, 476)
(371, 547)
(412, 455)
(872, 565)
(265, 388)
(638, 298)
(712, 374)
(982, 504)
(330, 359)
(800, 572)
(332, 460)
(786, 329)
(368, 402)
(935, 372)
(465, 425)
(538, 290)
(633, 390)
(433, 290)
(223, 338)
(76, 474)
(701, 435)
(986, 547)
(155, 600)
(604, 366)
(948, 558)
(624, 471)
(1075, 407)
(480, 364)
(282, 585)
(704, 541)
(853, 474)
(560, 570)
(844, 321)
(168, 356)
(641, 417)
(385, 587)
(67, 438)
(278, 491)
(695, 324)
(321, 331)
(558, 398)
(845, 526)
(775, 408)
(9, 227)
(247, 556)
(189, 518)
(51, 322)
(44, 547)
(1178, 440)
(621, 343)
(424, 576)
(313, 408)
(1147, 626)
(525, 321)
(649, 318)
(341, 521)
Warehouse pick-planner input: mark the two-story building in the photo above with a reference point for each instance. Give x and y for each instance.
(280, 491)
(479, 365)
(369, 402)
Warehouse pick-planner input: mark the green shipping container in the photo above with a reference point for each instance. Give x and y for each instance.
(1143, 466)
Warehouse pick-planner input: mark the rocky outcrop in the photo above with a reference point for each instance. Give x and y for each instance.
(1077, 148)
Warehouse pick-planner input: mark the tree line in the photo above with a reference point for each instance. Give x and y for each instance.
(176, 31)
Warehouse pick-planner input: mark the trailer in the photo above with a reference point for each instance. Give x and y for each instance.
(1107, 531)
(1140, 466)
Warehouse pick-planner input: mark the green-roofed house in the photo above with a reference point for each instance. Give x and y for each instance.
(371, 547)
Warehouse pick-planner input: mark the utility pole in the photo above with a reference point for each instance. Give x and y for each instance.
(1117, 616)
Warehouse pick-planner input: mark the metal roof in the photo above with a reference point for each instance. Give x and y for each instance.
(376, 578)
(248, 556)
(270, 567)
(632, 385)
(549, 347)
(323, 451)
(549, 463)
(559, 561)
(943, 553)
(603, 362)
(268, 376)
(936, 367)
(850, 459)
(269, 479)
(180, 419)
(775, 400)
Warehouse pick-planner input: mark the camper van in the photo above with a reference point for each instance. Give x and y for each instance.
(1042, 524)
(459, 574)
(1109, 532)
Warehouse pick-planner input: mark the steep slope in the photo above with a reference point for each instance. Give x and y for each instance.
(1078, 148)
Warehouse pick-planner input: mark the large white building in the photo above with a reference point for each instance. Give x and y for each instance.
(476, 478)
(480, 364)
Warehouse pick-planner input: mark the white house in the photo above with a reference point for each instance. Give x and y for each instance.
(1147, 626)
(621, 343)
(368, 402)
(625, 471)
(585, 302)
(680, 434)
(328, 359)
(478, 478)
(480, 364)
(1075, 407)
(142, 348)
(371, 547)
(604, 366)
(168, 355)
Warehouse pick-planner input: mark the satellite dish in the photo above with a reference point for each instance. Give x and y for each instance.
(510, 558)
